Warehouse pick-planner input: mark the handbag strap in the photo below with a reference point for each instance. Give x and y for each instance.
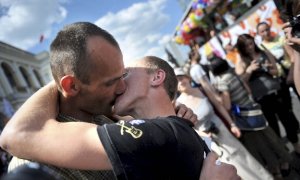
(246, 87)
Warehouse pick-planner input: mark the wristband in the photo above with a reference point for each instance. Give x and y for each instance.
(233, 125)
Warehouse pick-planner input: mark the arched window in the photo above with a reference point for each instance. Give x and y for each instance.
(38, 77)
(9, 74)
(26, 76)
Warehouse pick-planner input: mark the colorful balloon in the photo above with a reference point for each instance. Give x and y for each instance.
(179, 40)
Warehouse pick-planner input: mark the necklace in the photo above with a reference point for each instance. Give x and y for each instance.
(66, 118)
(99, 120)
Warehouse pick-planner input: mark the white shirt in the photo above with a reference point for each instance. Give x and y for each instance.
(197, 73)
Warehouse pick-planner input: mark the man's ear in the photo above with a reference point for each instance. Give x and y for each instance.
(158, 78)
(69, 85)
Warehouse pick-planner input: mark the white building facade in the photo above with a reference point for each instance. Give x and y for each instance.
(21, 74)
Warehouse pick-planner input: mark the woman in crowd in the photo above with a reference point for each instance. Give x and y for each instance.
(268, 149)
(275, 44)
(283, 54)
(257, 68)
(200, 76)
(225, 144)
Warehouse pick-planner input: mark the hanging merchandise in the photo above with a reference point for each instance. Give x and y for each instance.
(193, 22)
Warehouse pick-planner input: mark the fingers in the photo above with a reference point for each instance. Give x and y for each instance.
(288, 34)
(212, 156)
(190, 116)
(180, 109)
(236, 131)
(253, 66)
(194, 119)
(286, 25)
(214, 170)
(234, 175)
(254, 63)
(288, 31)
(186, 113)
(294, 40)
(238, 134)
(231, 171)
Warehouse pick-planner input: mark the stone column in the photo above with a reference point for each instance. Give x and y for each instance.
(21, 82)
(5, 85)
(33, 79)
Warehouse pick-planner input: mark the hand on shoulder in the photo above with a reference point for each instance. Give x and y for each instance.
(216, 171)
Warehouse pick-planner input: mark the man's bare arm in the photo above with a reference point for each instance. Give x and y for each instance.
(294, 42)
(27, 120)
(33, 133)
(212, 96)
(297, 70)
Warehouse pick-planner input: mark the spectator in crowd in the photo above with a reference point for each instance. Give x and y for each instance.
(199, 76)
(257, 68)
(84, 92)
(269, 149)
(209, 124)
(274, 43)
(152, 82)
(283, 54)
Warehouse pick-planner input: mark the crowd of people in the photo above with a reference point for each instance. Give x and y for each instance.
(244, 84)
(74, 127)
(252, 75)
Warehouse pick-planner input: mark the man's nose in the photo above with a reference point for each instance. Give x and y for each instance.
(121, 87)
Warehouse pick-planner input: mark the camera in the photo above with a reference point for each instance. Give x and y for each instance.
(261, 61)
(295, 24)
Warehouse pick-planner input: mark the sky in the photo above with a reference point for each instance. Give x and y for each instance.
(142, 27)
